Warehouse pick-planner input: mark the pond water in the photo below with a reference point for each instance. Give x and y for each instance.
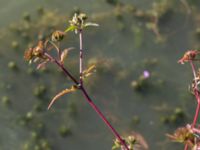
(132, 37)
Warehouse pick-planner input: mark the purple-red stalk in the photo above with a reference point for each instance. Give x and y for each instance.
(103, 117)
(196, 93)
(89, 100)
(196, 96)
(196, 130)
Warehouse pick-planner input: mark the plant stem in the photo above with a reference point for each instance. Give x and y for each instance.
(103, 117)
(186, 147)
(66, 72)
(196, 93)
(197, 108)
(89, 100)
(96, 109)
(87, 97)
(196, 130)
(194, 73)
(81, 56)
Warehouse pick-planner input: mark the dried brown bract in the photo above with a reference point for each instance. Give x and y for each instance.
(57, 36)
(189, 56)
(183, 135)
(36, 52)
(28, 54)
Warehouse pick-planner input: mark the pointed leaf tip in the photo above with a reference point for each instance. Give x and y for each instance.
(91, 24)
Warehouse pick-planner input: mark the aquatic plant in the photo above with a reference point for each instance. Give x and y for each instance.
(42, 55)
(189, 135)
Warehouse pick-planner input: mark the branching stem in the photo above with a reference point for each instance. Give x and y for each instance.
(196, 93)
(89, 100)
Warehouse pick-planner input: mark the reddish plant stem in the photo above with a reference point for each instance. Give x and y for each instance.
(196, 130)
(103, 117)
(195, 119)
(197, 110)
(87, 97)
(66, 72)
(89, 100)
(186, 147)
(196, 93)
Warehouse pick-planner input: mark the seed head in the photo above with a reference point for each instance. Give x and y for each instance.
(28, 54)
(57, 36)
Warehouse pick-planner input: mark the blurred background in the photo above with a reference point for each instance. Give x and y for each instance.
(138, 84)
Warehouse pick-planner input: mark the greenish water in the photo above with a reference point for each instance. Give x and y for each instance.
(124, 47)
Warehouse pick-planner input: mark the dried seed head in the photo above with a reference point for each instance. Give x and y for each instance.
(189, 56)
(57, 36)
(28, 54)
(38, 51)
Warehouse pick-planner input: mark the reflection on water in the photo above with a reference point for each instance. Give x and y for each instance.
(132, 37)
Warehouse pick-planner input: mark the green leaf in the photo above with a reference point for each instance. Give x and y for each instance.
(71, 28)
(87, 24)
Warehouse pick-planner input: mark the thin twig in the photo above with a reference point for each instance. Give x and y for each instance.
(81, 56)
(67, 73)
(196, 93)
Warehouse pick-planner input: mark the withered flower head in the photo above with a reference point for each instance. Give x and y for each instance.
(57, 36)
(36, 52)
(188, 56)
(39, 49)
(28, 54)
(183, 135)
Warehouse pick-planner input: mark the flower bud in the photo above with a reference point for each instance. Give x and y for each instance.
(57, 36)
(82, 16)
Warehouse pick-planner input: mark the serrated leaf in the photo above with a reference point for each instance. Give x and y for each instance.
(87, 24)
(71, 28)
(66, 91)
(64, 54)
(89, 71)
